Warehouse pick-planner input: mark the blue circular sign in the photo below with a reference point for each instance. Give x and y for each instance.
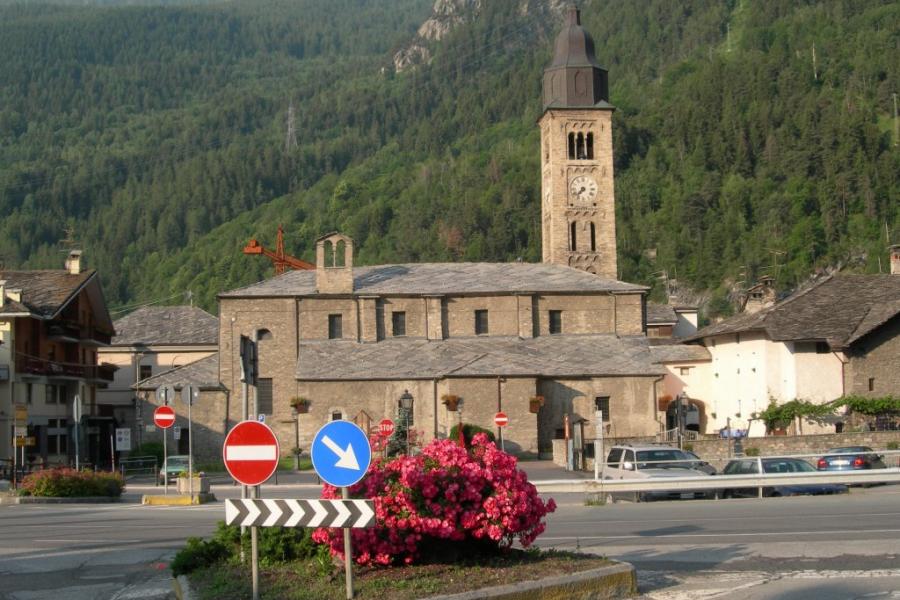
(341, 453)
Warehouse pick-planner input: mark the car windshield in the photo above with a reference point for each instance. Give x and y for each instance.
(177, 461)
(786, 466)
(660, 459)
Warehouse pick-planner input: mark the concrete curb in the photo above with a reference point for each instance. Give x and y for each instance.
(603, 583)
(177, 500)
(181, 585)
(41, 500)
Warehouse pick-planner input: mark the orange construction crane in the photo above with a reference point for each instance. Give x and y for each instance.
(282, 261)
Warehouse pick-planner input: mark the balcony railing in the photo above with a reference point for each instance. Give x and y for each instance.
(49, 368)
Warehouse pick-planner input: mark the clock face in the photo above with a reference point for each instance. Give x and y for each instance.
(583, 189)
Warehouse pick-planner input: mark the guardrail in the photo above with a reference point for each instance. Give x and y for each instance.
(139, 465)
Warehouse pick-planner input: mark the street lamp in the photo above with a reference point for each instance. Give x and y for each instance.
(406, 405)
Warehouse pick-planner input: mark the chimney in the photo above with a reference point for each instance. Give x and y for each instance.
(2, 292)
(73, 262)
(760, 296)
(895, 259)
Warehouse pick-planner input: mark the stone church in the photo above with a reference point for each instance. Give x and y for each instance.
(536, 341)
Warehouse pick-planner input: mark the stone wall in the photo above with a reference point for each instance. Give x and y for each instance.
(875, 357)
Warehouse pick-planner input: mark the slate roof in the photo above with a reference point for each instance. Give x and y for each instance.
(167, 326)
(664, 353)
(203, 373)
(44, 292)
(661, 314)
(546, 356)
(839, 310)
(444, 278)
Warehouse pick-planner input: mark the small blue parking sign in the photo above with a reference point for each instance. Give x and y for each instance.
(341, 453)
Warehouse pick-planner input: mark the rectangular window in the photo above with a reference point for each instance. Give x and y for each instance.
(555, 322)
(336, 416)
(602, 403)
(335, 327)
(822, 348)
(481, 322)
(684, 370)
(146, 371)
(264, 396)
(398, 324)
(29, 392)
(51, 395)
(56, 436)
(871, 384)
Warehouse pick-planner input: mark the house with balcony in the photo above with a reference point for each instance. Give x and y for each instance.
(52, 326)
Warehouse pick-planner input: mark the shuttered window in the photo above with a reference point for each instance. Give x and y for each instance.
(264, 396)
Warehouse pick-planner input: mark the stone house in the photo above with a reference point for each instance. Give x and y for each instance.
(52, 325)
(839, 336)
(150, 341)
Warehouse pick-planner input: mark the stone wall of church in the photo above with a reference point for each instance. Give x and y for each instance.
(875, 357)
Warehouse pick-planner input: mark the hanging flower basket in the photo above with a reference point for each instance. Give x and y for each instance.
(300, 404)
(451, 401)
(535, 403)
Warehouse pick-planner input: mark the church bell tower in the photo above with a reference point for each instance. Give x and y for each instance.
(578, 204)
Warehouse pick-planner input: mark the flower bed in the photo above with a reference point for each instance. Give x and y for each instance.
(447, 499)
(69, 483)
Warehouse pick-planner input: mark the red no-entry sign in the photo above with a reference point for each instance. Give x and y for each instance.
(251, 452)
(164, 417)
(386, 427)
(501, 420)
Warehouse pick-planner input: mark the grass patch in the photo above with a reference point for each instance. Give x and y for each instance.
(307, 580)
(286, 463)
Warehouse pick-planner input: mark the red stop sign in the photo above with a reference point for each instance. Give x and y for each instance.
(164, 417)
(251, 452)
(386, 427)
(501, 420)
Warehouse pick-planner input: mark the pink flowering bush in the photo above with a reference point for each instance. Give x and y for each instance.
(446, 496)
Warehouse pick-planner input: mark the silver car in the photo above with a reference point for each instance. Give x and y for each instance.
(646, 462)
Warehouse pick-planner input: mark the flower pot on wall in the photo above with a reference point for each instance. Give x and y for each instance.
(300, 405)
(535, 403)
(451, 401)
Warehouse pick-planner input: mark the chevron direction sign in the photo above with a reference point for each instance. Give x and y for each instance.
(300, 513)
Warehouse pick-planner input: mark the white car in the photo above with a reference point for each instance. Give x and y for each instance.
(646, 462)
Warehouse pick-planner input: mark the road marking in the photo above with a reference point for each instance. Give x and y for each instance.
(717, 535)
(251, 452)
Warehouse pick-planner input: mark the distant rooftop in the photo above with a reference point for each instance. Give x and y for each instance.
(167, 326)
(44, 292)
(203, 373)
(445, 279)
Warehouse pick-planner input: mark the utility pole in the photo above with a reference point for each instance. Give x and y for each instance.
(290, 142)
(896, 123)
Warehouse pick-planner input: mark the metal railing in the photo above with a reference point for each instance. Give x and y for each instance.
(139, 465)
(606, 485)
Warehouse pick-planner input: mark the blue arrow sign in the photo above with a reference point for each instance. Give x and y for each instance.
(341, 453)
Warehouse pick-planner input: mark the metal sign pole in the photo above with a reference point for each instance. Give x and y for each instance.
(76, 412)
(254, 552)
(348, 552)
(190, 445)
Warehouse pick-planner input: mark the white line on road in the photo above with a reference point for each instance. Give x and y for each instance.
(724, 534)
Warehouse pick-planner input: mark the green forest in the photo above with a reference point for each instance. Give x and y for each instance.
(750, 138)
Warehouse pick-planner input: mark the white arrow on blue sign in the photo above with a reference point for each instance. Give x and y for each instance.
(341, 453)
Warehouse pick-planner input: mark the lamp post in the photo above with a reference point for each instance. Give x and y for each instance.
(296, 414)
(406, 405)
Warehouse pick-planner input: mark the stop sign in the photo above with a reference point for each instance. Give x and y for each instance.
(501, 420)
(386, 427)
(251, 452)
(164, 417)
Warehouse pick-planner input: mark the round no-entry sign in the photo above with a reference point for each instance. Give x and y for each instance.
(501, 420)
(386, 427)
(164, 417)
(251, 452)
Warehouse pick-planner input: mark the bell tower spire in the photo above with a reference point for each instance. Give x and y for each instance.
(578, 211)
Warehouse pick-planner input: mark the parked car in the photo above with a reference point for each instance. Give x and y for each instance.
(646, 462)
(753, 466)
(850, 458)
(173, 467)
(699, 464)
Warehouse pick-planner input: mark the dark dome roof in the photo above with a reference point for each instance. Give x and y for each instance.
(574, 46)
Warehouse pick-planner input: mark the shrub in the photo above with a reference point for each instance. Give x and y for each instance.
(751, 452)
(69, 483)
(198, 554)
(893, 445)
(445, 499)
(469, 432)
(149, 449)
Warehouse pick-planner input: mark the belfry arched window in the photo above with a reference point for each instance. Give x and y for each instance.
(580, 151)
(571, 146)
(572, 243)
(590, 147)
(593, 237)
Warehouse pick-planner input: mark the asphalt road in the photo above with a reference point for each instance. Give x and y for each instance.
(820, 547)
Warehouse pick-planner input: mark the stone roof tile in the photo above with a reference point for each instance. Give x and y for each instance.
(167, 325)
(203, 373)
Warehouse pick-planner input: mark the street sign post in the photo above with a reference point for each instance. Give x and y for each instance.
(598, 444)
(386, 428)
(76, 416)
(164, 417)
(341, 455)
(251, 452)
(189, 394)
(123, 439)
(501, 421)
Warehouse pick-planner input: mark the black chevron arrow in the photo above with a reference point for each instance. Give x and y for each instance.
(286, 513)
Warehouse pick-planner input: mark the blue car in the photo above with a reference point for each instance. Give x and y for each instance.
(752, 466)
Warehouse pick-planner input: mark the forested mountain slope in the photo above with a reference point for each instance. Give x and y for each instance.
(746, 133)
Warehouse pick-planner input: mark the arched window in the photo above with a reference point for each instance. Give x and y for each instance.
(572, 244)
(571, 146)
(329, 253)
(263, 334)
(580, 153)
(590, 146)
(339, 254)
(593, 237)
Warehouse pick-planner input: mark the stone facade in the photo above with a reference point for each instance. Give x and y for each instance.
(578, 210)
(873, 368)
